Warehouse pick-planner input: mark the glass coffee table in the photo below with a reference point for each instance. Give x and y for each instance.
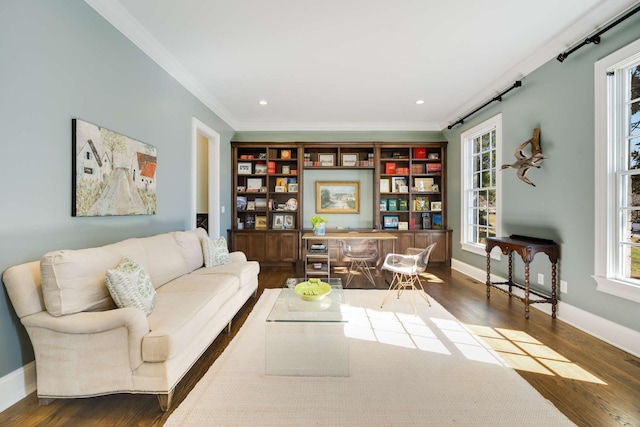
(306, 338)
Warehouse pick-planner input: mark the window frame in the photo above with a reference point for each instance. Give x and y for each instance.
(607, 226)
(466, 138)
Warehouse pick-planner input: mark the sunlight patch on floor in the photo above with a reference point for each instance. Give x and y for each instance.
(524, 353)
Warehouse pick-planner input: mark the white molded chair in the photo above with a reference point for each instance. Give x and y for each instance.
(406, 271)
(360, 253)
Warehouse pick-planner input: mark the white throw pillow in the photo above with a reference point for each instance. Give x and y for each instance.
(130, 286)
(215, 251)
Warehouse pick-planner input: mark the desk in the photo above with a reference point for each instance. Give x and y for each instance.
(324, 257)
(527, 248)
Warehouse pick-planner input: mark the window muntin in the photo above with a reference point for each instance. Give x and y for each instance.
(480, 205)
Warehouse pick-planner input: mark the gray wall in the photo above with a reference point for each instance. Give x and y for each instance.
(61, 60)
(559, 99)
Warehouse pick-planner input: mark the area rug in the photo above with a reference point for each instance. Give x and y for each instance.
(405, 370)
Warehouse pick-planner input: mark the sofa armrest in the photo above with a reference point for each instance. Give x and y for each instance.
(90, 326)
(237, 256)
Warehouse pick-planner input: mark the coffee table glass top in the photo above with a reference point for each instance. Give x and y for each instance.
(290, 307)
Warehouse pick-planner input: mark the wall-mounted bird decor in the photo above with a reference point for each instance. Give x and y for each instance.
(524, 163)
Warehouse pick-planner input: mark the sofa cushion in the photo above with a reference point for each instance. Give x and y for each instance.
(164, 258)
(130, 286)
(215, 251)
(183, 308)
(74, 280)
(245, 271)
(191, 248)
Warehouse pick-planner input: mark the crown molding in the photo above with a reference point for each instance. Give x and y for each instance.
(583, 26)
(114, 13)
(328, 126)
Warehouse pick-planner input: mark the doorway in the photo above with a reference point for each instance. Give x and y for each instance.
(205, 175)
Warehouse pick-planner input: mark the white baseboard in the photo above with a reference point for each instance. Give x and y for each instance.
(617, 335)
(17, 385)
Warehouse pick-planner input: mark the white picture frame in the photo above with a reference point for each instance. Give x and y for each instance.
(244, 168)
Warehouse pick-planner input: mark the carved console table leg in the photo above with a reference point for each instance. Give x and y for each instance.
(554, 297)
(488, 275)
(510, 273)
(526, 289)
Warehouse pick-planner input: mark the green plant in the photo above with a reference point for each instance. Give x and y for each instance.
(316, 220)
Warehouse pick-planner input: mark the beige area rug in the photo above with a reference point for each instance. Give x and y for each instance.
(405, 370)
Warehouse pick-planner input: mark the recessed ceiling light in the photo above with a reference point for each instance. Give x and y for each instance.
(420, 101)
(263, 102)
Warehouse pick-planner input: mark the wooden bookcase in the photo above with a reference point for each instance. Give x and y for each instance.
(409, 189)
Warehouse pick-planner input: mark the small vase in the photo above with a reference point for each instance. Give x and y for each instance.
(319, 229)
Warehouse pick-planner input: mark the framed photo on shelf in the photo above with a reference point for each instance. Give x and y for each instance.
(254, 184)
(426, 220)
(261, 222)
(261, 169)
(289, 221)
(338, 197)
(423, 184)
(251, 205)
(435, 188)
(327, 159)
(278, 221)
(286, 169)
(261, 203)
(403, 225)
(436, 206)
(390, 221)
(244, 168)
(280, 189)
(384, 186)
(282, 182)
(399, 183)
(433, 156)
(292, 188)
(350, 159)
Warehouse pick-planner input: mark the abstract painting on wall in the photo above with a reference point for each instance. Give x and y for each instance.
(112, 174)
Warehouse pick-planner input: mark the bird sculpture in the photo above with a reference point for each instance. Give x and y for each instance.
(524, 163)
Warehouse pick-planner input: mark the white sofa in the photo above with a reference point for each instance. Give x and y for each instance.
(85, 346)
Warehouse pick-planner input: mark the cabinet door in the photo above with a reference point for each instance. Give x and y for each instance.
(404, 241)
(251, 243)
(441, 238)
(283, 247)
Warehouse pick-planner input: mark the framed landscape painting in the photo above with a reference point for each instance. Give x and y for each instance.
(112, 174)
(338, 197)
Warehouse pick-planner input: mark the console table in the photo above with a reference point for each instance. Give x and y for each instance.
(527, 248)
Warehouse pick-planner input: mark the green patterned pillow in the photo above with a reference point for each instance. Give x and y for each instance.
(215, 251)
(130, 286)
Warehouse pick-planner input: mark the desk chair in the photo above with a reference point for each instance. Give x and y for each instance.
(360, 253)
(406, 271)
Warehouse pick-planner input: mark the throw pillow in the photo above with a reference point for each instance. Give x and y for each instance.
(130, 286)
(215, 251)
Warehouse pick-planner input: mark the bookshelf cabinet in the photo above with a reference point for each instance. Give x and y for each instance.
(408, 194)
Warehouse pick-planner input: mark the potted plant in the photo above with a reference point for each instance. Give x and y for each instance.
(318, 223)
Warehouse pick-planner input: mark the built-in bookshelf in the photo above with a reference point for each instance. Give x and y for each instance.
(408, 194)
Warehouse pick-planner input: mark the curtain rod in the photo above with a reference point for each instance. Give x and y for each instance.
(498, 97)
(595, 39)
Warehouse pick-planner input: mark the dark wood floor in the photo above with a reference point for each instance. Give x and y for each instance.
(593, 383)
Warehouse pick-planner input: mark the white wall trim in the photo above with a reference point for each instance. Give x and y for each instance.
(17, 385)
(617, 335)
(197, 127)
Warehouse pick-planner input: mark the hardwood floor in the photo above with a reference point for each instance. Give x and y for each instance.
(593, 383)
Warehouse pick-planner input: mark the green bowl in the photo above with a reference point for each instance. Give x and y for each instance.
(313, 290)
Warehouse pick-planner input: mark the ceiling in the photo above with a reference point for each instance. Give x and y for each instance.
(352, 64)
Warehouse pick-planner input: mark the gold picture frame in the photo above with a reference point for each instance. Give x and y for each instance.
(337, 197)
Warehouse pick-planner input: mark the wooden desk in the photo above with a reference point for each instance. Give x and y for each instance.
(346, 235)
(527, 248)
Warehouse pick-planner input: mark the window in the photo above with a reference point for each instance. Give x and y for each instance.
(617, 166)
(480, 216)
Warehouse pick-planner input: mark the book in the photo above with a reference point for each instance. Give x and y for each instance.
(392, 204)
(403, 204)
(426, 220)
(436, 221)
